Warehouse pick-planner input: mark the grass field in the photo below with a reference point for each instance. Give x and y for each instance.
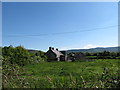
(94, 74)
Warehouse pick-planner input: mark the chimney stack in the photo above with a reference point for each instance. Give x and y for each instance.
(50, 48)
(57, 49)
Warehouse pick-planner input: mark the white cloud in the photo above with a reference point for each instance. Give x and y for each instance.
(67, 48)
(94, 46)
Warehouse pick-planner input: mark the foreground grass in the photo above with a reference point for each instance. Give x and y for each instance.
(95, 74)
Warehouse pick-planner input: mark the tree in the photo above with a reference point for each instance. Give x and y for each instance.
(18, 55)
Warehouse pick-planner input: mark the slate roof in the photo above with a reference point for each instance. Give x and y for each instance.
(58, 53)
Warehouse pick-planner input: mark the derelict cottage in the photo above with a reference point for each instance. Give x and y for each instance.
(56, 55)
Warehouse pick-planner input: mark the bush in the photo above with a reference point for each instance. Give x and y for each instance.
(19, 55)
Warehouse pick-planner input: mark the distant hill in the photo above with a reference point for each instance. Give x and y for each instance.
(98, 49)
(33, 51)
(91, 50)
(29, 50)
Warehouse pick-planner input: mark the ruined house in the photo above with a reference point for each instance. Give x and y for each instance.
(78, 56)
(56, 55)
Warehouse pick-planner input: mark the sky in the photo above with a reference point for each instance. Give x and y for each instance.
(63, 25)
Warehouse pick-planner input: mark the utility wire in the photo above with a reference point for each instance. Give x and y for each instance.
(60, 32)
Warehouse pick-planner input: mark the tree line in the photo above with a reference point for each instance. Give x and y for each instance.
(97, 55)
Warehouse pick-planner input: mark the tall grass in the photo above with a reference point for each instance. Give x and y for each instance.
(94, 74)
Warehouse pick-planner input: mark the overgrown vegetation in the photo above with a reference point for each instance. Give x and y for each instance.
(14, 58)
(20, 56)
(23, 69)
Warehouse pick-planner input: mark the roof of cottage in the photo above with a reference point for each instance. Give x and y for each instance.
(58, 53)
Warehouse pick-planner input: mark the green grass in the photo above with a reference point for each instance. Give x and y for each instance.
(91, 74)
(56, 68)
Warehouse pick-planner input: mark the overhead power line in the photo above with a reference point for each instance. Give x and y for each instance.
(58, 33)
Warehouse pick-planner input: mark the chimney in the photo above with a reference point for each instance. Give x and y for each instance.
(57, 49)
(50, 48)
